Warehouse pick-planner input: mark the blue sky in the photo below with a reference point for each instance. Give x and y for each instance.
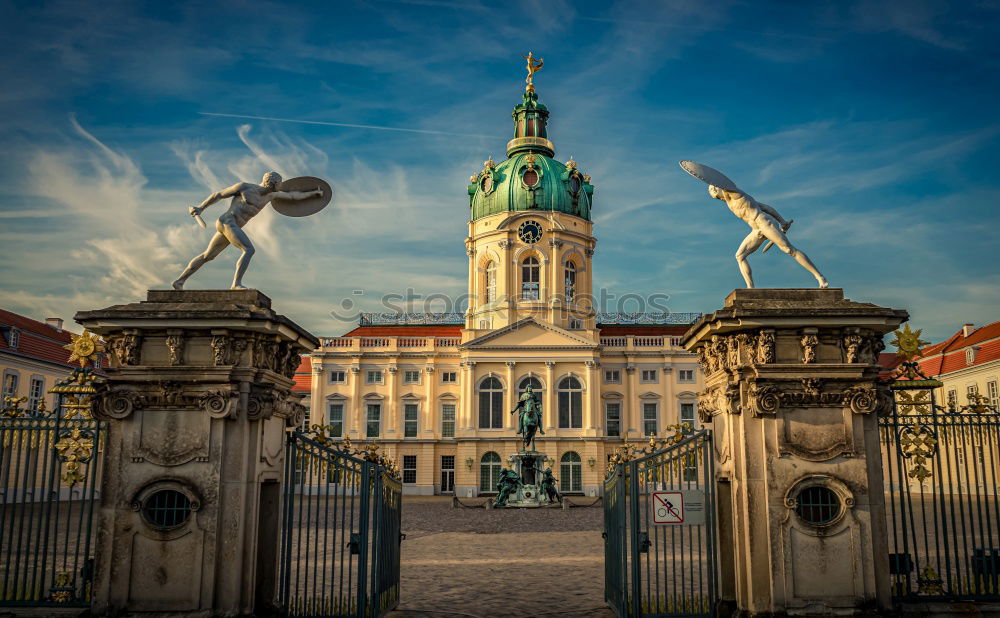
(872, 124)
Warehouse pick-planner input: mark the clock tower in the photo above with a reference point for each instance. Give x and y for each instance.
(530, 242)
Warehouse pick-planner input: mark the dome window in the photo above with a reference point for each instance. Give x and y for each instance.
(486, 184)
(575, 184)
(530, 178)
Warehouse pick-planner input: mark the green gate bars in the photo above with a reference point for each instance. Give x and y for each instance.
(49, 475)
(942, 499)
(659, 529)
(341, 533)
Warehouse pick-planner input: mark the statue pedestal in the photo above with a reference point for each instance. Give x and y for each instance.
(197, 400)
(529, 465)
(792, 395)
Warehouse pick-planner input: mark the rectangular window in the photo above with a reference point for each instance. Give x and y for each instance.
(411, 377)
(374, 420)
(410, 420)
(953, 398)
(570, 409)
(971, 391)
(649, 419)
(409, 469)
(613, 416)
(449, 376)
(613, 376)
(448, 420)
(649, 375)
(338, 377)
(10, 384)
(959, 456)
(970, 356)
(687, 414)
(485, 324)
(992, 394)
(491, 409)
(13, 338)
(374, 376)
(685, 375)
(35, 393)
(575, 324)
(447, 474)
(335, 419)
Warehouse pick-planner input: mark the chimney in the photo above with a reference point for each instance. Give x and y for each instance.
(55, 323)
(967, 329)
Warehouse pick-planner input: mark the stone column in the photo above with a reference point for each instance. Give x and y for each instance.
(794, 422)
(431, 425)
(393, 425)
(590, 404)
(630, 414)
(549, 410)
(510, 399)
(197, 399)
(357, 406)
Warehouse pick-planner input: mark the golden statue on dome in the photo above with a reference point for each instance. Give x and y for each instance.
(534, 66)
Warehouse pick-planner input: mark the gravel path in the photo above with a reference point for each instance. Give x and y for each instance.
(503, 562)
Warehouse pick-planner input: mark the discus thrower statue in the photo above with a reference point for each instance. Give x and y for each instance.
(297, 197)
(764, 221)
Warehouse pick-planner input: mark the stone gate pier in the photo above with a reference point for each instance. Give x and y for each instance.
(792, 396)
(197, 399)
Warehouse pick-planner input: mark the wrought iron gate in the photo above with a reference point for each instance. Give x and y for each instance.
(659, 528)
(341, 532)
(942, 499)
(49, 475)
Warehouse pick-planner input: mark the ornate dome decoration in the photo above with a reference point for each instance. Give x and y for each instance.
(530, 179)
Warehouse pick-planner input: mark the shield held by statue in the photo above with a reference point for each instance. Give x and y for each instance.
(308, 206)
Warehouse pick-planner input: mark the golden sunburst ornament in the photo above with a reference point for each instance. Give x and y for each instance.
(908, 343)
(84, 348)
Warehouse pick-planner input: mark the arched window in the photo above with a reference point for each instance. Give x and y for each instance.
(536, 386)
(570, 403)
(489, 472)
(490, 404)
(491, 283)
(570, 281)
(530, 277)
(571, 473)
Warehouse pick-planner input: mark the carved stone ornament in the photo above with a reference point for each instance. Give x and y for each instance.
(768, 398)
(809, 343)
(506, 244)
(175, 348)
(120, 402)
(265, 403)
(852, 347)
(765, 347)
(239, 346)
(220, 350)
(125, 349)
(703, 359)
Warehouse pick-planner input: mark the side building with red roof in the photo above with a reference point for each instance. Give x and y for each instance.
(32, 358)
(967, 364)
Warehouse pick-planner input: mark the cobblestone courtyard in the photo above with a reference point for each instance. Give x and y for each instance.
(470, 562)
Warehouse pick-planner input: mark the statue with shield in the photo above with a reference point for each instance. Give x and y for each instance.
(297, 197)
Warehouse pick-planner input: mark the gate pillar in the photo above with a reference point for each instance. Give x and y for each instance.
(792, 395)
(197, 399)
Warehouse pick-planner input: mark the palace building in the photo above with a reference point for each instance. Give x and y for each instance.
(437, 390)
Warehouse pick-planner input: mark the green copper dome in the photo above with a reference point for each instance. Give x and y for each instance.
(530, 179)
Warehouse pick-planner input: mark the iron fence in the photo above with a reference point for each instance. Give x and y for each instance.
(341, 533)
(49, 475)
(660, 553)
(941, 495)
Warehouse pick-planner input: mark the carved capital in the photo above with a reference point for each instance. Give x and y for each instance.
(809, 342)
(506, 244)
(510, 364)
(763, 399)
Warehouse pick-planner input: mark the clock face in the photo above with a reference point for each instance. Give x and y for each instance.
(530, 232)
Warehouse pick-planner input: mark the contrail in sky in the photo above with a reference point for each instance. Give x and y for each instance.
(344, 124)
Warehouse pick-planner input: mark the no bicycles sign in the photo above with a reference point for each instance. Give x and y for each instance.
(677, 508)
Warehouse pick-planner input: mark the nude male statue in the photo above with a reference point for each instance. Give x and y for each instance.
(766, 224)
(248, 200)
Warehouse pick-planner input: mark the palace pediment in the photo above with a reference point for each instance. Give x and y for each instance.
(529, 333)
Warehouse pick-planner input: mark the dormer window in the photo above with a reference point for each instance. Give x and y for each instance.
(970, 355)
(13, 338)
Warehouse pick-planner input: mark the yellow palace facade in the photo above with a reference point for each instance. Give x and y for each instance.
(437, 390)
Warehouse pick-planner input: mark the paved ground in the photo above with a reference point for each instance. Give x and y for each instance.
(469, 562)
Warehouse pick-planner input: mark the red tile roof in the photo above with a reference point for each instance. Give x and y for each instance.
(949, 355)
(303, 376)
(620, 330)
(429, 330)
(36, 340)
